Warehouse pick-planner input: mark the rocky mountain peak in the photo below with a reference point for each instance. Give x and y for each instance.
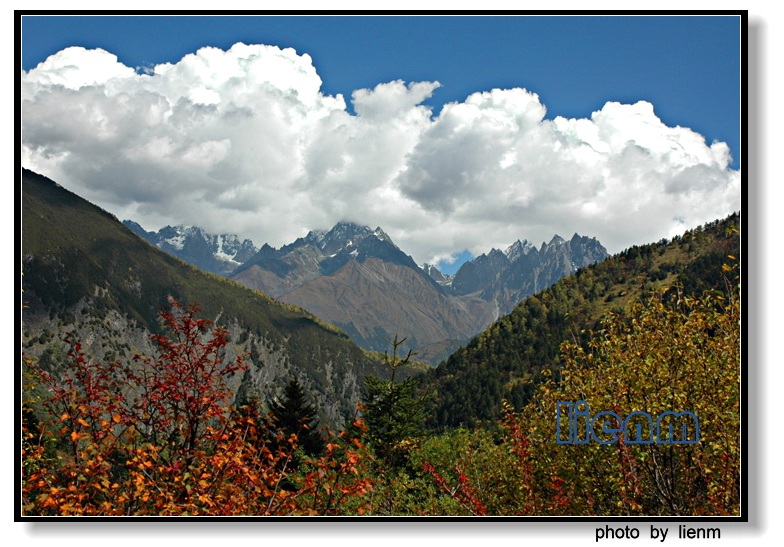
(586, 250)
(217, 253)
(555, 241)
(522, 270)
(342, 236)
(518, 249)
(435, 274)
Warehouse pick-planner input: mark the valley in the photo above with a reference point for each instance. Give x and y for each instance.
(357, 279)
(100, 307)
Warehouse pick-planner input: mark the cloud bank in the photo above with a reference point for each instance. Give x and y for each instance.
(243, 141)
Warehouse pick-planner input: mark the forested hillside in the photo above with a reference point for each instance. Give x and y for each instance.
(506, 361)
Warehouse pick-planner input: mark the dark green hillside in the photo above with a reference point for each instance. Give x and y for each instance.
(507, 359)
(80, 265)
(70, 247)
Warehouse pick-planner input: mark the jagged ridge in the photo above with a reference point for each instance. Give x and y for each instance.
(220, 254)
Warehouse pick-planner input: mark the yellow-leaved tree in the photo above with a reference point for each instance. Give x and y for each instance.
(669, 354)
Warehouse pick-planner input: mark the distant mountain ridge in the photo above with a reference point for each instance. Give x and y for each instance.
(506, 277)
(358, 279)
(322, 253)
(220, 254)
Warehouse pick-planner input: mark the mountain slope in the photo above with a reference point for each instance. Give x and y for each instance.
(506, 360)
(359, 280)
(86, 273)
(373, 300)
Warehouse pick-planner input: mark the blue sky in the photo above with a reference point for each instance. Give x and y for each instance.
(686, 67)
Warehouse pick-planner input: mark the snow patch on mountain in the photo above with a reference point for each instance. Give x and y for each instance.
(219, 254)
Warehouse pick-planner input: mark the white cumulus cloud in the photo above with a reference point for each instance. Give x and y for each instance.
(244, 141)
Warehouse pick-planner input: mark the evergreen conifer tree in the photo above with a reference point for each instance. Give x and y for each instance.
(295, 415)
(393, 412)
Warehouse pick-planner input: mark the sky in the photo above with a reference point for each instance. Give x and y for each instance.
(453, 134)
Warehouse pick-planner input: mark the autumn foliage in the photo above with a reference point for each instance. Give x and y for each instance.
(672, 352)
(158, 436)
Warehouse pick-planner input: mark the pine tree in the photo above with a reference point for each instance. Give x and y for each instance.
(393, 412)
(295, 415)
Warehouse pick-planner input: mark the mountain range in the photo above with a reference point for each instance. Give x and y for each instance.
(506, 277)
(356, 278)
(86, 274)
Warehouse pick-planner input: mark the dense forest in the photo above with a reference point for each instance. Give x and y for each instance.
(654, 329)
